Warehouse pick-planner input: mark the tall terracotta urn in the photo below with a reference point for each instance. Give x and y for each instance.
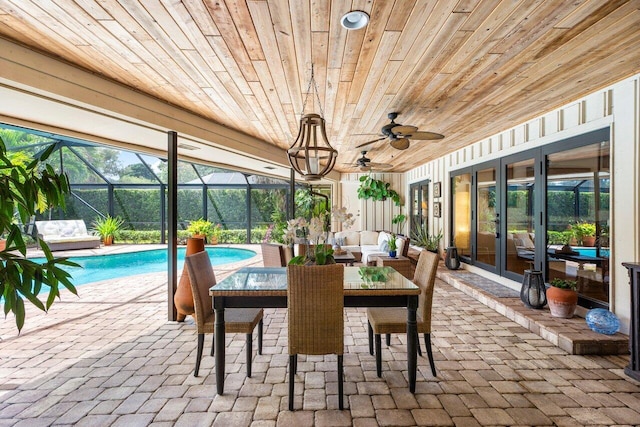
(183, 298)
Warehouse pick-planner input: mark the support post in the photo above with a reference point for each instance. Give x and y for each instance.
(633, 370)
(172, 214)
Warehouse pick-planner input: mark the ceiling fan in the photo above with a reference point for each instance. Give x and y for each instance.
(365, 164)
(399, 135)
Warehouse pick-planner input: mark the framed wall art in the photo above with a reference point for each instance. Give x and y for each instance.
(437, 189)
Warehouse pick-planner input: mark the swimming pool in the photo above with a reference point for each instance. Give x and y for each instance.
(592, 252)
(104, 267)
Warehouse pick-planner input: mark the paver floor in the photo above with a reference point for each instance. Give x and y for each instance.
(110, 358)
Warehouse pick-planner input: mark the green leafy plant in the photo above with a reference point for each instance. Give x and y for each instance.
(108, 226)
(564, 284)
(585, 229)
(393, 245)
(420, 236)
(399, 221)
(371, 188)
(201, 227)
(27, 187)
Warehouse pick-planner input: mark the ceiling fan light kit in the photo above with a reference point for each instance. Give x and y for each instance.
(354, 20)
(311, 155)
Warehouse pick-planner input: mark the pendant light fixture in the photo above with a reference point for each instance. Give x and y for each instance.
(311, 155)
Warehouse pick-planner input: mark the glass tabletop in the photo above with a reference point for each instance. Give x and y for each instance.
(275, 279)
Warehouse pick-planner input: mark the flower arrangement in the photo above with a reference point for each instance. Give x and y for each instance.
(315, 231)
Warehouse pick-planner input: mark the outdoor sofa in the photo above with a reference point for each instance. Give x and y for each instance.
(66, 234)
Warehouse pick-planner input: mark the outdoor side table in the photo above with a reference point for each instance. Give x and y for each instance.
(400, 263)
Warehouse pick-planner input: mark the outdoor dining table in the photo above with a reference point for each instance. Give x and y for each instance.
(267, 287)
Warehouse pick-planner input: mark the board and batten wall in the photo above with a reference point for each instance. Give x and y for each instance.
(617, 107)
(373, 215)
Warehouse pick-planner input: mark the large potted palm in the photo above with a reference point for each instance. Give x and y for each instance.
(26, 187)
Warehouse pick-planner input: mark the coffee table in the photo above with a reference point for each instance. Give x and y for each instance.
(345, 258)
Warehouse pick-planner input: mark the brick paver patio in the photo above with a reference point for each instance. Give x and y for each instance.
(110, 358)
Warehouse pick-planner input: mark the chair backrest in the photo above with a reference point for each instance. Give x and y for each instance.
(425, 278)
(273, 255)
(315, 301)
(202, 277)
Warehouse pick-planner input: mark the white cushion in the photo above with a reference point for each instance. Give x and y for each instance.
(369, 238)
(351, 238)
(525, 240)
(382, 237)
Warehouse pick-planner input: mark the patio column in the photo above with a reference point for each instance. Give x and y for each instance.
(172, 211)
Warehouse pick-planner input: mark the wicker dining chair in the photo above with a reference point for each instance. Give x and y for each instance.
(315, 301)
(273, 255)
(237, 320)
(393, 320)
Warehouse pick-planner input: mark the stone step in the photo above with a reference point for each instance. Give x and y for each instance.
(572, 335)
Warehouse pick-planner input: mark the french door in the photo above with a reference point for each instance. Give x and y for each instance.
(523, 211)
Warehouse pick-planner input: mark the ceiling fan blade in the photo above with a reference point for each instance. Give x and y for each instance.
(403, 130)
(425, 135)
(370, 142)
(400, 144)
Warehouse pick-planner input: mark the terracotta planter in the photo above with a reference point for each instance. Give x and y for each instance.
(3, 244)
(198, 236)
(562, 302)
(107, 240)
(589, 241)
(183, 298)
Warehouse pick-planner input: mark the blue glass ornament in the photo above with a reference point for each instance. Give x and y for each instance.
(602, 321)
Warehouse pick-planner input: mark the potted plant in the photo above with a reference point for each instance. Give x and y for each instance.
(200, 228)
(586, 231)
(420, 236)
(399, 221)
(107, 227)
(393, 245)
(377, 190)
(562, 298)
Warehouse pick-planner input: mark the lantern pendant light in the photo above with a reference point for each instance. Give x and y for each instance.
(311, 155)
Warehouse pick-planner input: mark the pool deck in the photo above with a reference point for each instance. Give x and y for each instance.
(109, 357)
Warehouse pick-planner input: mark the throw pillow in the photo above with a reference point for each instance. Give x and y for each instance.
(384, 246)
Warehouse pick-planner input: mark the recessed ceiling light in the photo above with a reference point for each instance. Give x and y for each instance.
(355, 20)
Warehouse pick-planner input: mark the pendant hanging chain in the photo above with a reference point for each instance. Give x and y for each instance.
(315, 87)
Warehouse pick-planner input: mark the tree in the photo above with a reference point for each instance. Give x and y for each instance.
(26, 187)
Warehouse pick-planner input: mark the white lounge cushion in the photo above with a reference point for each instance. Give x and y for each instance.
(351, 238)
(369, 238)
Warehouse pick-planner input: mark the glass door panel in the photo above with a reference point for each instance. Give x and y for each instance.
(578, 219)
(461, 210)
(520, 238)
(419, 205)
(487, 218)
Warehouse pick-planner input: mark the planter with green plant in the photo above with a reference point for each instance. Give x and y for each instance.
(107, 228)
(27, 187)
(200, 228)
(393, 245)
(377, 190)
(562, 298)
(586, 233)
(420, 237)
(399, 221)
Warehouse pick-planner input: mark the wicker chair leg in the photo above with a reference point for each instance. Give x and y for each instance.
(260, 329)
(388, 340)
(340, 385)
(427, 343)
(378, 355)
(370, 339)
(213, 344)
(249, 352)
(199, 354)
(418, 344)
(292, 377)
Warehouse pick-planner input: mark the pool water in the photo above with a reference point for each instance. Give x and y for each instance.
(592, 252)
(104, 267)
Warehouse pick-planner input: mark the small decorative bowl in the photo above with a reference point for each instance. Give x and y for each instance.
(602, 321)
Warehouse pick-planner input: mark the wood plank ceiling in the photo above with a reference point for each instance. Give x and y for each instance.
(466, 69)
